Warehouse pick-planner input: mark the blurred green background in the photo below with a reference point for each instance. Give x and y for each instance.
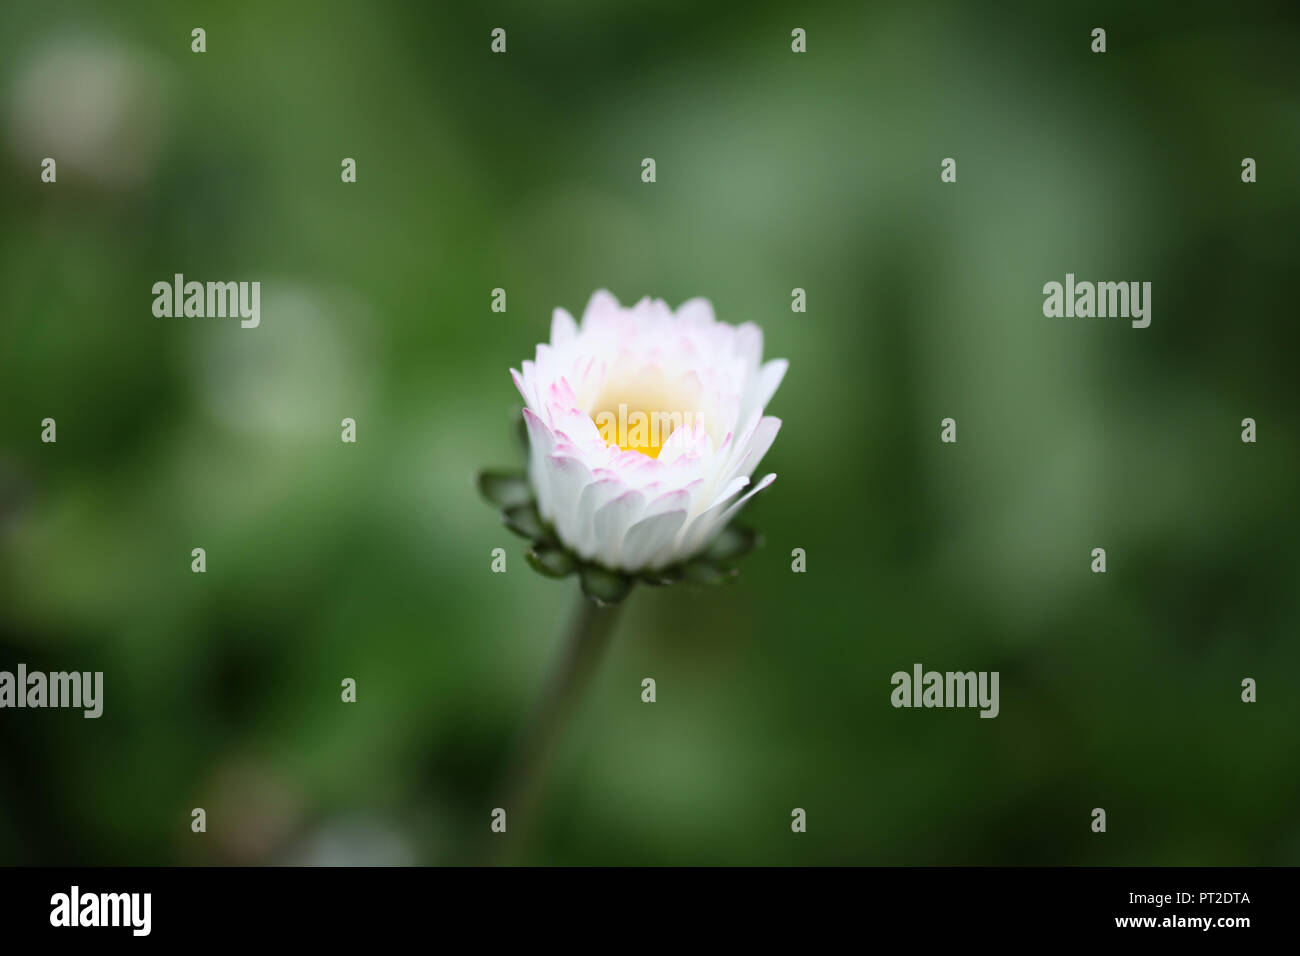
(775, 171)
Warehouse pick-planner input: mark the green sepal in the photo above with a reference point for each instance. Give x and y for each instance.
(663, 577)
(734, 542)
(505, 489)
(603, 586)
(524, 521)
(706, 572)
(552, 562)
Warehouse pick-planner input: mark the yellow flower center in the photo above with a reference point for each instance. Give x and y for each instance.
(636, 428)
(641, 417)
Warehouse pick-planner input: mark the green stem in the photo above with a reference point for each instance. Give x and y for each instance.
(589, 633)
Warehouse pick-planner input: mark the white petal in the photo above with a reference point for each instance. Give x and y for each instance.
(540, 439)
(696, 312)
(594, 497)
(567, 477)
(705, 525)
(602, 304)
(730, 512)
(684, 441)
(678, 500)
(732, 489)
(611, 523)
(563, 328)
(648, 537)
(749, 343)
(769, 379)
(764, 435)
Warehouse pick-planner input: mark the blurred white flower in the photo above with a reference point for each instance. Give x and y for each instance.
(309, 353)
(357, 840)
(644, 428)
(98, 108)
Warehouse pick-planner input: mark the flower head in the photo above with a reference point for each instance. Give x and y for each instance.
(644, 427)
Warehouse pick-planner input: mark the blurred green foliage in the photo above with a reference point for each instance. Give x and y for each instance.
(775, 171)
